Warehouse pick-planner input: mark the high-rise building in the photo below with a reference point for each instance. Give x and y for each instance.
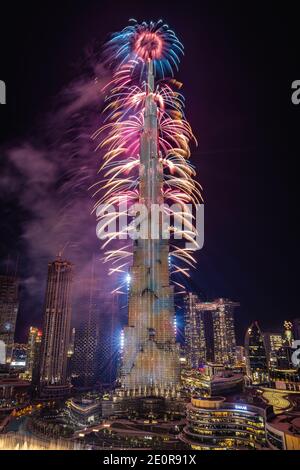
(151, 356)
(273, 343)
(109, 337)
(224, 331)
(56, 329)
(96, 358)
(19, 356)
(70, 355)
(284, 358)
(9, 305)
(240, 355)
(36, 362)
(288, 333)
(256, 355)
(209, 331)
(85, 361)
(194, 332)
(221, 312)
(33, 352)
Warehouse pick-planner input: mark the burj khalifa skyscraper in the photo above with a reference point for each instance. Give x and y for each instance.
(146, 163)
(151, 358)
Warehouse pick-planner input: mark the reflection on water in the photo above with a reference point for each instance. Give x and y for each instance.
(13, 441)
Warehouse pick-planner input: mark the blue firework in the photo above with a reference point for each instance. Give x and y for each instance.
(140, 43)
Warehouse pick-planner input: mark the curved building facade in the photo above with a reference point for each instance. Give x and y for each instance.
(283, 432)
(214, 424)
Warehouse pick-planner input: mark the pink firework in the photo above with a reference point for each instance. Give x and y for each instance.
(131, 51)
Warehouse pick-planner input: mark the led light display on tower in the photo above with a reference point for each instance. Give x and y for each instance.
(146, 139)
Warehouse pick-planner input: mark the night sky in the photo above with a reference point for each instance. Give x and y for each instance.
(237, 72)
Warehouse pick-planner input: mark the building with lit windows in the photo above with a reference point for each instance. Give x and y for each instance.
(240, 355)
(210, 382)
(56, 330)
(209, 331)
(256, 355)
(151, 355)
(33, 354)
(13, 391)
(84, 411)
(194, 331)
(224, 341)
(85, 360)
(224, 331)
(283, 431)
(111, 322)
(19, 356)
(216, 424)
(9, 304)
(273, 343)
(288, 333)
(285, 379)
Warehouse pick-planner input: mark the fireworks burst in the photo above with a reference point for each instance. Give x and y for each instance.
(131, 51)
(140, 43)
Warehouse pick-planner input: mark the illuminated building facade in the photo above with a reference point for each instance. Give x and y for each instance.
(224, 331)
(285, 379)
(83, 412)
(33, 353)
(85, 362)
(111, 322)
(9, 305)
(13, 391)
(19, 355)
(240, 355)
(224, 341)
(288, 333)
(194, 332)
(56, 329)
(215, 424)
(273, 343)
(283, 431)
(284, 358)
(208, 382)
(151, 356)
(256, 355)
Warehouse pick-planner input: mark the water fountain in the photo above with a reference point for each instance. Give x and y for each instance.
(14, 441)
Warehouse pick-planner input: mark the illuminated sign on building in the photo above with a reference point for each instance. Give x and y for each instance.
(240, 407)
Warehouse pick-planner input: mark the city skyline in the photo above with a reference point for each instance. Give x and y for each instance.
(229, 259)
(148, 265)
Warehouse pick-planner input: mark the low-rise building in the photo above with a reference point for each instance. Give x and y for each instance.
(217, 424)
(283, 431)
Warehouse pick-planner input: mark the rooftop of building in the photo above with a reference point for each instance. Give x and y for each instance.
(249, 397)
(287, 423)
(227, 377)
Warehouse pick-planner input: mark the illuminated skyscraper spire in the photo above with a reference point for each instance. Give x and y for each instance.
(151, 360)
(146, 138)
